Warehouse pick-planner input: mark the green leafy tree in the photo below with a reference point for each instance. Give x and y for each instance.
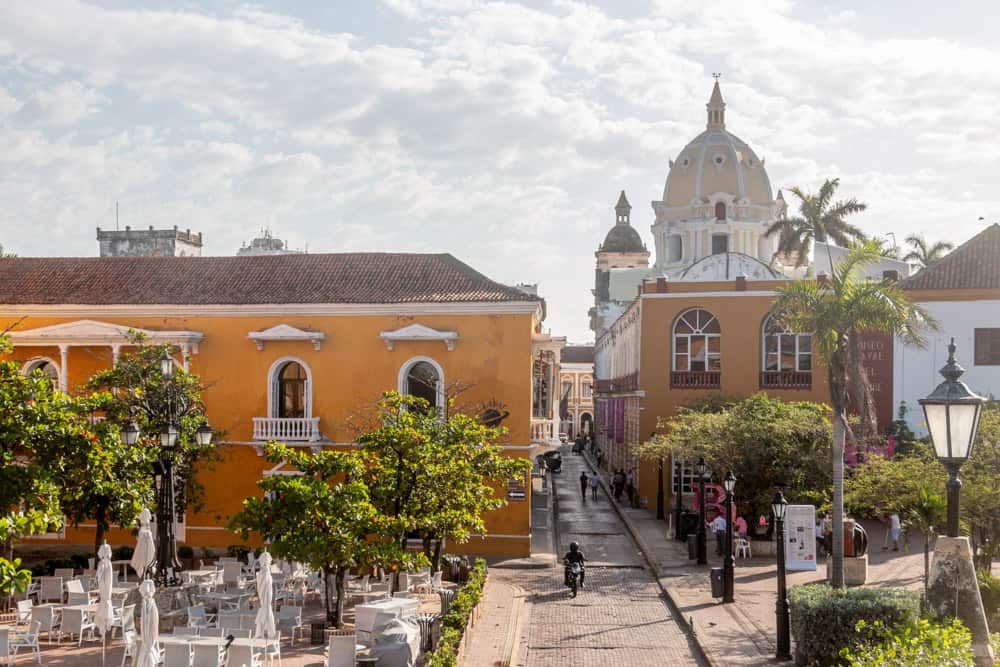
(140, 393)
(323, 517)
(111, 482)
(820, 219)
(838, 311)
(925, 253)
(4, 253)
(926, 513)
(41, 430)
(766, 442)
(436, 476)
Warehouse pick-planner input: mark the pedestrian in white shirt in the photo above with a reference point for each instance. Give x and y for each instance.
(719, 527)
(895, 527)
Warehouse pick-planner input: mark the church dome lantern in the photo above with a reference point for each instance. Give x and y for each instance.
(623, 237)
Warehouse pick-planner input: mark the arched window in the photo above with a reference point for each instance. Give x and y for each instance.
(289, 394)
(586, 424)
(786, 357)
(675, 248)
(46, 367)
(422, 377)
(720, 210)
(697, 358)
(292, 382)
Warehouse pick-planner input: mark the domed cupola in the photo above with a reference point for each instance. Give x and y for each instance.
(717, 197)
(623, 237)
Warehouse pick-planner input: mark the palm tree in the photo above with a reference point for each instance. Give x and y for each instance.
(924, 253)
(819, 219)
(928, 510)
(837, 311)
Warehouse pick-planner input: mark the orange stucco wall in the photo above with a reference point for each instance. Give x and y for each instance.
(741, 317)
(492, 356)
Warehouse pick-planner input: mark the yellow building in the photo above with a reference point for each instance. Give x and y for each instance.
(290, 347)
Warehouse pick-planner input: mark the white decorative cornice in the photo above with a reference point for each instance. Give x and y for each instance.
(286, 332)
(418, 332)
(274, 309)
(91, 332)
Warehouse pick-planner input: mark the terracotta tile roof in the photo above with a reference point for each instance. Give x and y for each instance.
(973, 265)
(577, 354)
(354, 278)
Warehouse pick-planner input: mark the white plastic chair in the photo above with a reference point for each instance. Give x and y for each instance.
(23, 613)
(75, 622)
(51, 589)
(78, 599)
(46, 617)
(239, 633)
(229, 619)
(208, 655)
(245, 655)
(743, 548)
(232, 575)
(177, 654)
(211, 632)
(341, 651)
(27, 640)
(289, 618)
(63, 572)
(184, 631)
(131, 638)
(123, 617)
(198, 617)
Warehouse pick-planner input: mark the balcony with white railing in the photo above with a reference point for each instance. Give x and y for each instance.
(544, 431)
(297, 429)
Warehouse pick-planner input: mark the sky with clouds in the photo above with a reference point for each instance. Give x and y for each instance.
(500, 132)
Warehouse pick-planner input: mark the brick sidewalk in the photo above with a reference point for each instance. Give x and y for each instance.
(491, 640)
(743, 633)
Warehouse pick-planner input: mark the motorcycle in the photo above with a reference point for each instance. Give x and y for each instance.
(573, 574)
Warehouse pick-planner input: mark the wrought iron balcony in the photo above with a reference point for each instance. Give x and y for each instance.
(786, 380)
(695, 379)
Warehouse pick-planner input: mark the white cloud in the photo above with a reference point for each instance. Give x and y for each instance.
(496, 131)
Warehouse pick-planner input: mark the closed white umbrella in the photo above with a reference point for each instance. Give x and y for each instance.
(149, 626)
(105, 610)
(265, 594)
(145, 549)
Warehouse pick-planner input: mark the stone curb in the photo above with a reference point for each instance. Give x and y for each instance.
(705, 653)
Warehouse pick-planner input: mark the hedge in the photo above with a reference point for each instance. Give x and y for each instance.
(455, 622)
(919, 644)
(824, 619)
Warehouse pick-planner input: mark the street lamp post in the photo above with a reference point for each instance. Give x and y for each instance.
(729, 564)
(702, 550)
(167, 563)
(784, 640)
(679, 491)
(952, 413)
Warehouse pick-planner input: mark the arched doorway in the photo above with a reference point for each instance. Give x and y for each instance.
(586, 424)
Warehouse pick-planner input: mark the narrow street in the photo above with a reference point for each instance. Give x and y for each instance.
(620, 617)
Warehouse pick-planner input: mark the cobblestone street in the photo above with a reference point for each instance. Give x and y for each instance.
(619, 618)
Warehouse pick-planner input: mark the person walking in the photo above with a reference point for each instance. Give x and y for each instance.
(895, 526)
(619, 484)
(719, 527)
(583, 485)
(578, 445)
(630, 488)
(595, 482)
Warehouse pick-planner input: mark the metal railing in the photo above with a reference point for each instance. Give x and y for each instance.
(695, 379)
(785, 380)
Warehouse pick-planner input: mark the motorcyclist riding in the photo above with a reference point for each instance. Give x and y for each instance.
(574, 556)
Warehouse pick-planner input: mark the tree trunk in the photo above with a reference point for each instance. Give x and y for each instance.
(839, 432)
(326, 593)
(436, 559)
(338, 617)
(427, 546)
(101, 519)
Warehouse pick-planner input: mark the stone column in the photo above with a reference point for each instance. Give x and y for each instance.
(64, 370)
(954, 591)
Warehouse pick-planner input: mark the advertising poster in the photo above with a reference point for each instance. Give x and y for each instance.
(800, 537)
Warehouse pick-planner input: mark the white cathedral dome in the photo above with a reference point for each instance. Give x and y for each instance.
(717, 161)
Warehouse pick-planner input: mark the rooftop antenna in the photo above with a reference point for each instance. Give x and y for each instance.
(116, 215)
(716, 75)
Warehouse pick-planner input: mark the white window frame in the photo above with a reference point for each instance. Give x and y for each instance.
(688, 337)
(798, 353)
(33, 363)
(404, 371)
(272, 386)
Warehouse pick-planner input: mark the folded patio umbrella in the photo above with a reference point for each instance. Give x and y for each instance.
(145, 549)
(149, 625)
(265, 594)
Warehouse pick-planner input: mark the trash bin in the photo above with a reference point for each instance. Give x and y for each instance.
(692, 541)
(715, 575)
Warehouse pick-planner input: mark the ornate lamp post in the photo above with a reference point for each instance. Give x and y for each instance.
(702, 550)
(952, 413)
(729, 564)
(784, 640)
(167, 563)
